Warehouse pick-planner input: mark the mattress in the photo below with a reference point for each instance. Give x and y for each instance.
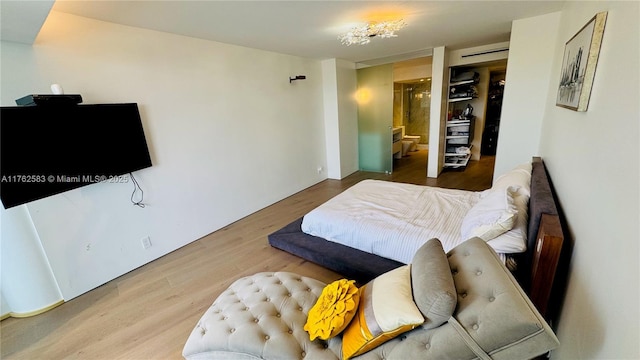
(391, 219)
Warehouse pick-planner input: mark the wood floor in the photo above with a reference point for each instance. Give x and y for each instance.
(149, 312)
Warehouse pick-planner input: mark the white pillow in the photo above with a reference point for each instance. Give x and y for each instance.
(514, 240)
(493, 215)
(518, 176)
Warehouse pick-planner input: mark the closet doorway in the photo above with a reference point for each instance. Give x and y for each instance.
(486, 105)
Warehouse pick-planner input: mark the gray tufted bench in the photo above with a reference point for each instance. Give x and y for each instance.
(262, 317)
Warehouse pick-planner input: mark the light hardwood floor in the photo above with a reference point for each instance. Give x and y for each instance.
(149, 312)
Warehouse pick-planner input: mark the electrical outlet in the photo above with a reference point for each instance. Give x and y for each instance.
(319, 169)
(146, 242)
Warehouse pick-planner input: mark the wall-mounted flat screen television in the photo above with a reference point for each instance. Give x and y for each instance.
(49, 149)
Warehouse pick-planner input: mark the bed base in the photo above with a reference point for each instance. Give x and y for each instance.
(351, 263)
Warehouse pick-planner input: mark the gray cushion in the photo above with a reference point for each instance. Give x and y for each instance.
(433, 289)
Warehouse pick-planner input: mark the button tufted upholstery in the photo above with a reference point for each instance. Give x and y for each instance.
(262, 316)
(492, 312)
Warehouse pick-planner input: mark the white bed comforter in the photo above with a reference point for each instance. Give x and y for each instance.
(391, 219)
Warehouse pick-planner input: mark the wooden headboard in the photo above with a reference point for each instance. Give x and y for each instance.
(545, 261)
(537, 267)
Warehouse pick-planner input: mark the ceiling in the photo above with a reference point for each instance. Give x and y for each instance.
(301, 28)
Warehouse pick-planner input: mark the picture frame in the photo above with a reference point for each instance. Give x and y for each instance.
(579, 63)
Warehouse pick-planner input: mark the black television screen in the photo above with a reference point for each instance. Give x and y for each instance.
(47, 149)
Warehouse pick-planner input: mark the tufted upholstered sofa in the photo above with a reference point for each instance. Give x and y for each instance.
(262, 317)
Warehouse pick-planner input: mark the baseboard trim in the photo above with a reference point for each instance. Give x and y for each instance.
(31, 313)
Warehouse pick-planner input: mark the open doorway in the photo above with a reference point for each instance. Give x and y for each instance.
(411, 108)
(484, 99)
(411, 111)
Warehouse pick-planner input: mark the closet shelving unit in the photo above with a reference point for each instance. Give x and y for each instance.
(458, 137)
(459, 126)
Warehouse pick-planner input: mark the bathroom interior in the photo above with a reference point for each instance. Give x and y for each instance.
(411, 106)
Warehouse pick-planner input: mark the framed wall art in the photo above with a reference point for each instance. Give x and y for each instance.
(579, 64)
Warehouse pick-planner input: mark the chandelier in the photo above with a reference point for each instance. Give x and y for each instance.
(362, 35)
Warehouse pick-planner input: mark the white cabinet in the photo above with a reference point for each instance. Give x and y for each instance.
(396, 147)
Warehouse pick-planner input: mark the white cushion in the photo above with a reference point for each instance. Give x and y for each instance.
(386, 310)
(520, 176)
(493, 215)
(514, 240)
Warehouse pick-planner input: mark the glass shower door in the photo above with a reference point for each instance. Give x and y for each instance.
(375, 118)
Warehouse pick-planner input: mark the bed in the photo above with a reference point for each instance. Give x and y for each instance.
(363, 265)
(393, 220)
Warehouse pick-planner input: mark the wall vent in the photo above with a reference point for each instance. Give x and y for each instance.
(484, 53)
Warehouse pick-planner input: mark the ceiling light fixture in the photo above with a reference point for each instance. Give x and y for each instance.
(362, 35)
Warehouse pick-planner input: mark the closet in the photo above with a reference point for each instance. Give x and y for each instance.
(474, 100)
(460, 117)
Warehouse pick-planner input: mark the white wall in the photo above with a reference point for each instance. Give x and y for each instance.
(532, 45)
(341, 117)
(593, 159)
(5, 309)
(28, 284)
(331, 116)
(439, 80)
(348, 113)
(228, 135)
(410, 70)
